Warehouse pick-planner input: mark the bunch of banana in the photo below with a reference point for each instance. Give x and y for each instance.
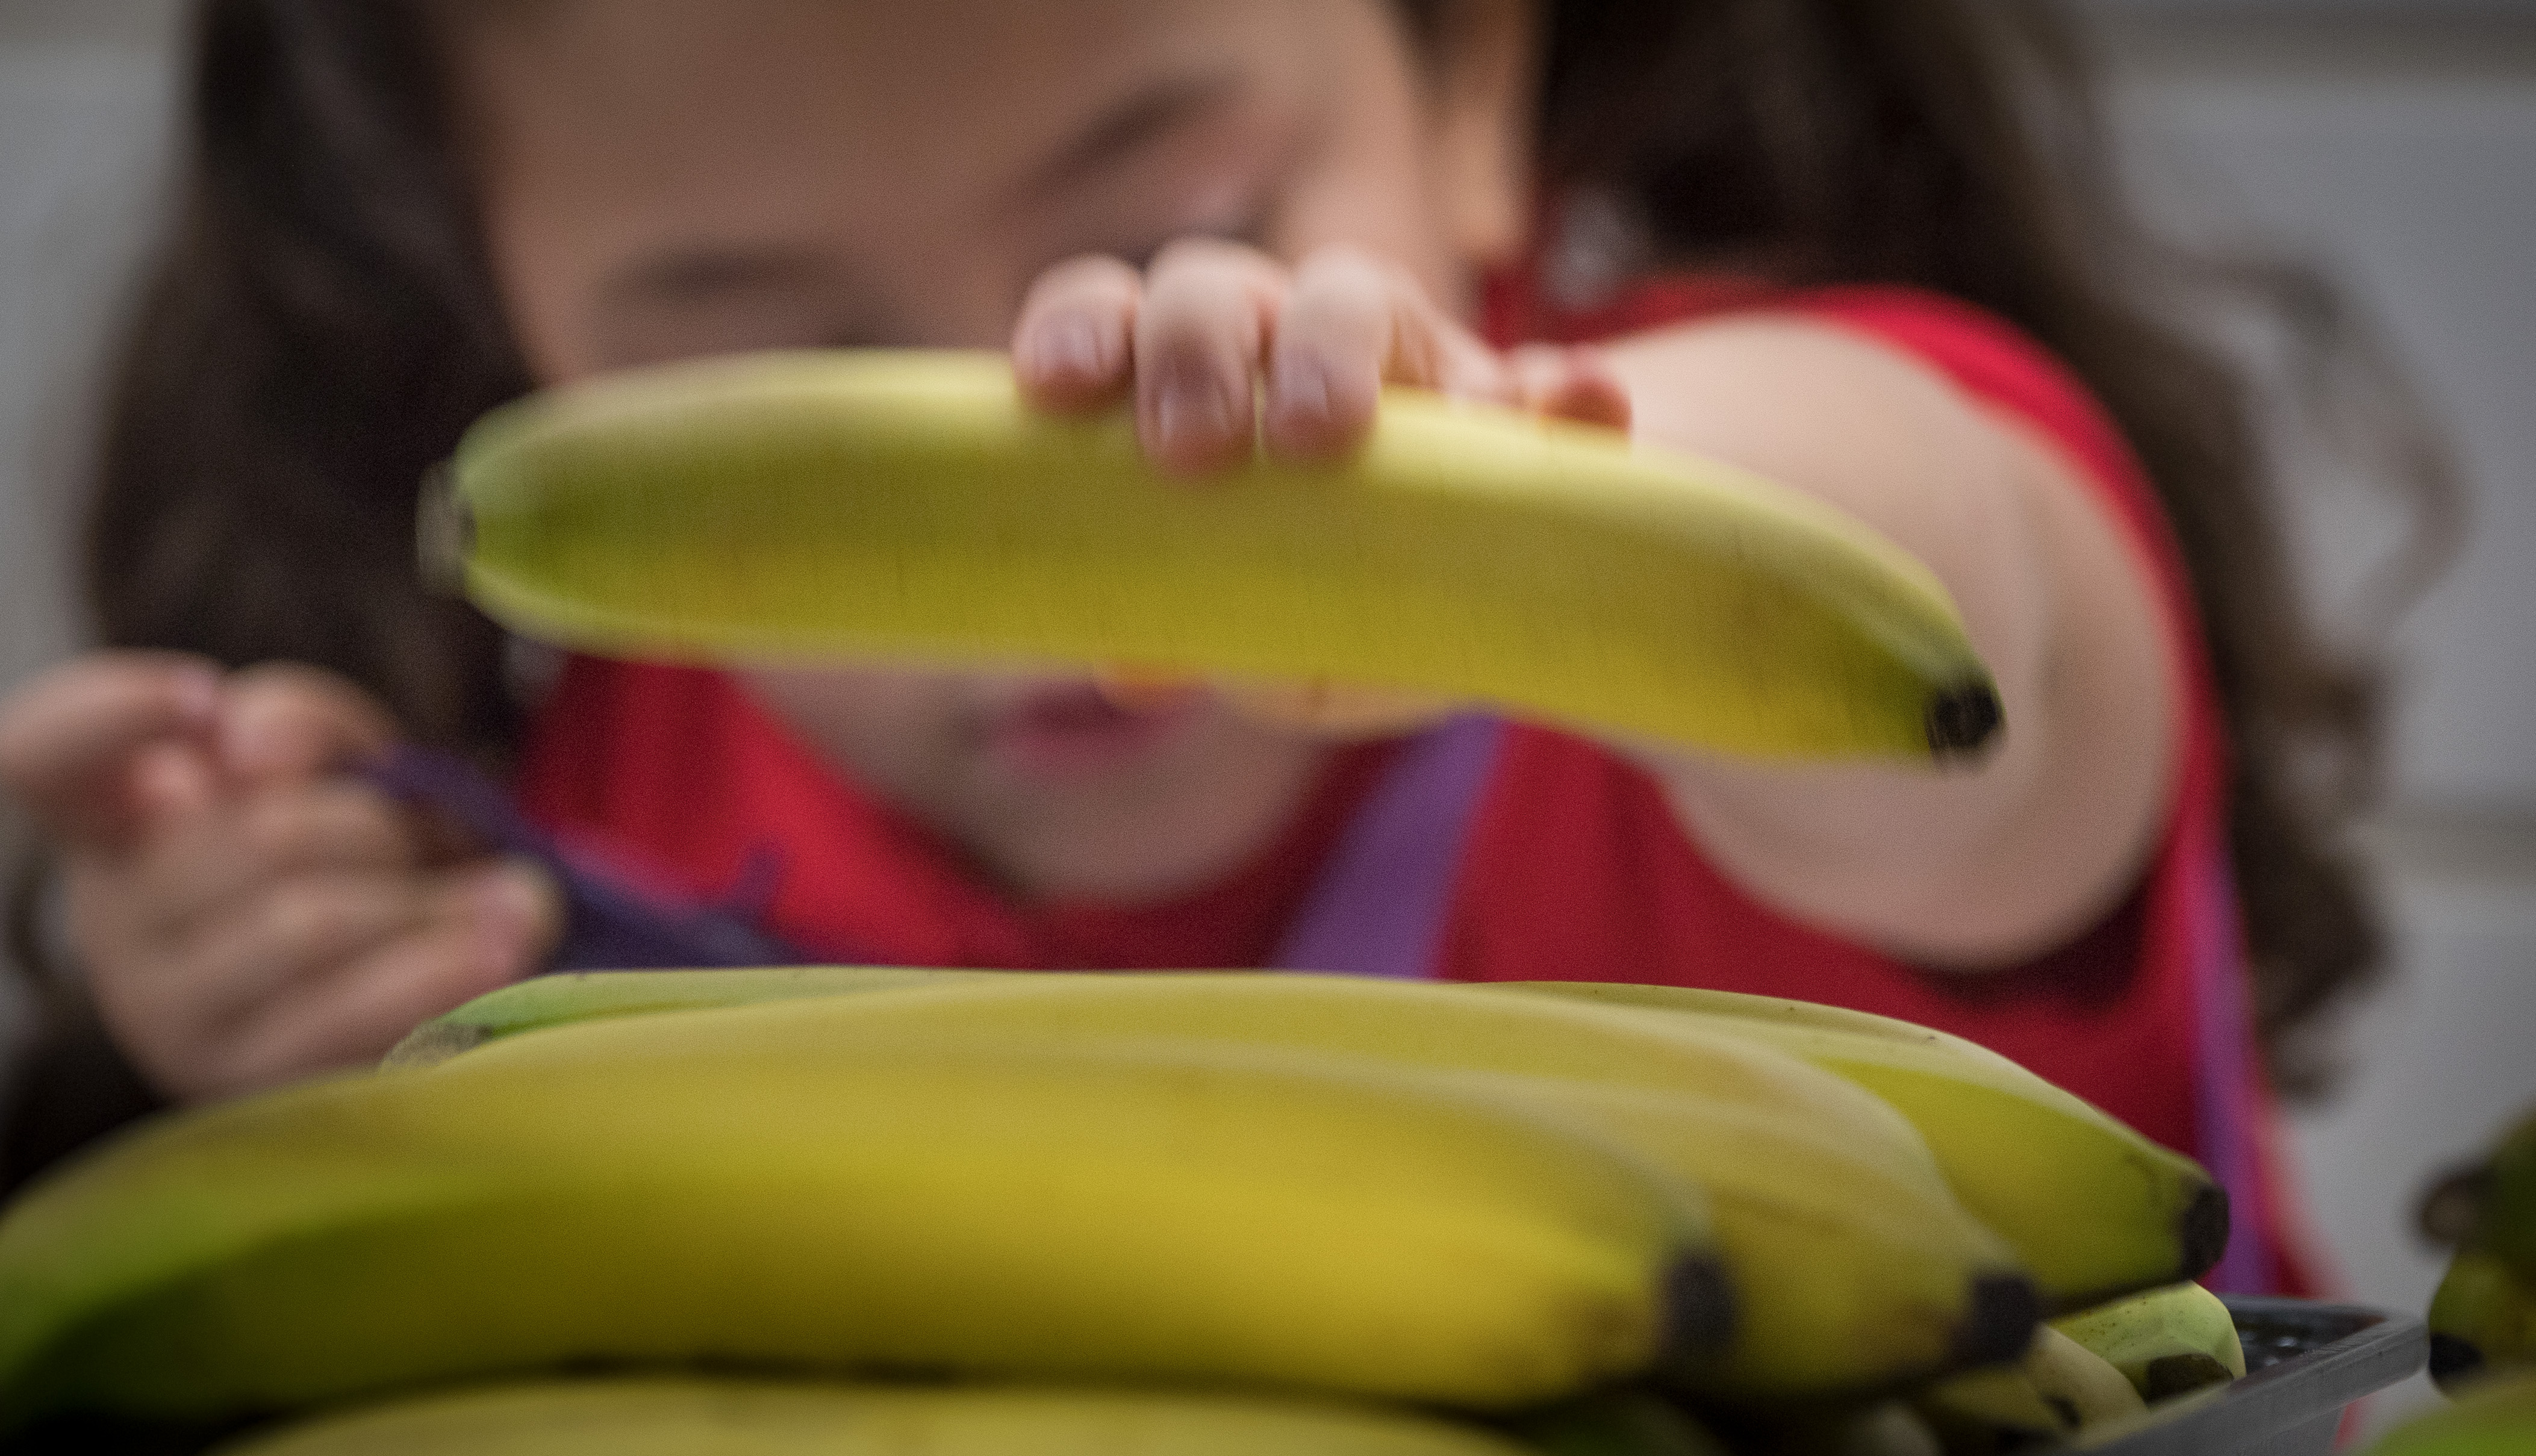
(1369, 1189)
(1853, 1267)
(906, 505)
(841, 1198)
(2103, 1208)
(2483, 1319)
(2093, 1208)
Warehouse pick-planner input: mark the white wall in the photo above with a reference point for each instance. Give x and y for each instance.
(2396, 140)
(84, 117)
(2402, 152)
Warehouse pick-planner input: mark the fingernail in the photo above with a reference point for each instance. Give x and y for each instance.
(1302, 389)
(1072, 347)
(245, 743)
(1189, 408)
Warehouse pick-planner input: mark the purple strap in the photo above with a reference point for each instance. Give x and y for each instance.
(611, 923)
(1380, 905)
(1378, 908)
(2224, 1114)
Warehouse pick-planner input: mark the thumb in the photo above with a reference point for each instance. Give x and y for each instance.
(1572, 383)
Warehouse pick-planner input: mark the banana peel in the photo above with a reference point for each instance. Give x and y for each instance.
(900, 504)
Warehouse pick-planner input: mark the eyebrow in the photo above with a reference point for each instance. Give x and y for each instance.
(709, 269)
(1152, 112)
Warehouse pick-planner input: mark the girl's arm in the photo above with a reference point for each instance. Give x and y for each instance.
(1965, 866)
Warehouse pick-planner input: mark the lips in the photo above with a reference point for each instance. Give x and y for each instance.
(1069, 729)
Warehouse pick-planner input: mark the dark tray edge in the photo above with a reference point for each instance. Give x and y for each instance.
(2381, 1348)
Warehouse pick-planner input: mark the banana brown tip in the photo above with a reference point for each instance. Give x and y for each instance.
(1698, 1309)
(433, 1043)
(2203, 1232)
(2452, 1359)
(1961, 718)
(2171, 1376)
(2000, 1316)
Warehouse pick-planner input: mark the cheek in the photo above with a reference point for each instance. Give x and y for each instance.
(534, 285)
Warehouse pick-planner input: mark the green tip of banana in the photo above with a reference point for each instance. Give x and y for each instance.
(2496, 1417)
(907, 505)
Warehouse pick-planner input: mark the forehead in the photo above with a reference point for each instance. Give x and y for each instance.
(577, 98)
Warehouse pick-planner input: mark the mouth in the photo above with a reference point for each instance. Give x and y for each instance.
(1073, 729)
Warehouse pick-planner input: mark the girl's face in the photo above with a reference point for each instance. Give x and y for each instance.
(665, 178)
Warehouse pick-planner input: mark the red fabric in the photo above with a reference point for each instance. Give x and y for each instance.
(675, 776)
(1575, 866)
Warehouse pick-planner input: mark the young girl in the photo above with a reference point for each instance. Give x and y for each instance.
(1856, 246)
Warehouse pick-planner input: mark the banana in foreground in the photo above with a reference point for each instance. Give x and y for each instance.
(2483, 1318)
(904, 504)
(2495, 1417)
(2093, 1208)
(1101, 1210)
(1852, 1267)
(684, 1415)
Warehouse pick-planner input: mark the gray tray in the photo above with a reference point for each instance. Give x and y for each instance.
(2304, 1362)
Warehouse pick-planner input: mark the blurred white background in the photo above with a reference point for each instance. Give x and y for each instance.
(2394, 141)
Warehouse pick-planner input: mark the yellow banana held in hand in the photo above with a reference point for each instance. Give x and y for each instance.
(816, 505)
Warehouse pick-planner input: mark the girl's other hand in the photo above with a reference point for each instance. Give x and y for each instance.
(1225, 350)
(245, 913)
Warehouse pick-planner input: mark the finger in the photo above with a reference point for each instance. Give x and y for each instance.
(166, 783)
(1071, 345)
(290, 932)
(206, 861)
(1572, 383)
(351, 1016)
(68, 736)
(285, 720)
(1197, 341)
(1420, 344)
(1334, 345)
